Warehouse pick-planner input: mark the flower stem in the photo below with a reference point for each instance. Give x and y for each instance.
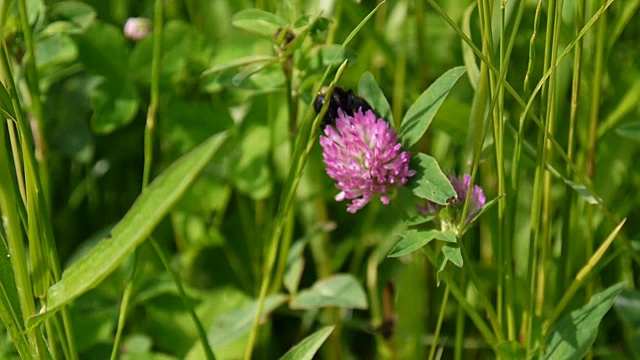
(436, 333)
(458, 293)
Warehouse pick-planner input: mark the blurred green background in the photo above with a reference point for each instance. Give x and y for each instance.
(95, 87)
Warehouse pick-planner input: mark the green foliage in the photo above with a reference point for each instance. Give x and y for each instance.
(232, 325)
(250, 255)
(574, 334)
(134, 228)
(430, 182)
(308, 347)
(414, 239)
(419, 116)
(368, 88)
(342, 290)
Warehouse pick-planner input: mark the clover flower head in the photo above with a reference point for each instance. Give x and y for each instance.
(137, 28)
(363, 155)
(461, 187)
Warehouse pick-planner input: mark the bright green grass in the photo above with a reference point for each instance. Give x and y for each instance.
(157, 194)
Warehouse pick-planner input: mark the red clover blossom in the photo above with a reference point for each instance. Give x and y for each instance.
(364, 157)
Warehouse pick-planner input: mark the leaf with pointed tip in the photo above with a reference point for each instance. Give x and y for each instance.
(308, 347)
(419, 116)
(136, 225)
(453, 254)
(572, 337)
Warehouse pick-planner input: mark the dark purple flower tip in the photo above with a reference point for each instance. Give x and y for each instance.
(364, 157)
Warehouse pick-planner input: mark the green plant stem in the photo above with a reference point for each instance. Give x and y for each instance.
(208, 352)
(15, 152)
(36, 219)
(534, 242)
(553, 31)
(50, 334)
(45, 264)
(318, 242)
(300, 155)
(10, 313)
(459, 344)
(436, 333)
(420, 44)
(458, 293)
(124, 308)
(527, 105)
(148, 160)
(61, 328)
(292, 101)
(479, 134)
(565, 250)
(509, 221)
(593, 128)
(41, 148)
(302, 149)
(485, 12)
(156, 68)
(485, 302)
(375, 308)
(532, 50)
(156, 63)
(281, 266)
(9, 207)
(498, 135)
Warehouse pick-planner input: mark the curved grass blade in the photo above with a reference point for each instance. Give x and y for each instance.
(136, 225)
